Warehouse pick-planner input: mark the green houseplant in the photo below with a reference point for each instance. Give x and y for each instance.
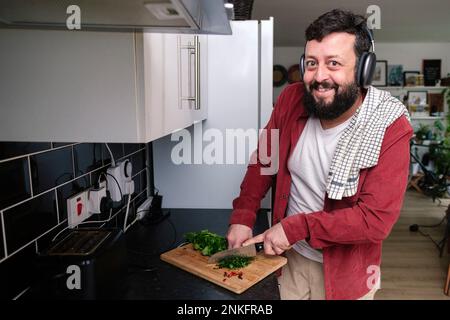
(440, 152)
(423, 132)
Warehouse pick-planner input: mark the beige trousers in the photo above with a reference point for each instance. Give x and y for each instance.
(302, 279)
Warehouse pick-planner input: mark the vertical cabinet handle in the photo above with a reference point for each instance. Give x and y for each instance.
(197, 73)
(193, 49)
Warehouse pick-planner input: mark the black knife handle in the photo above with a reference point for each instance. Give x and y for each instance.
(259, 246)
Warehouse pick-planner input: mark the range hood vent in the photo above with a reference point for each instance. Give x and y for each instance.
(174, 16)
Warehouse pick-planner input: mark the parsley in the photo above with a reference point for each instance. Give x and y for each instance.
(207, 242)
(234, 262)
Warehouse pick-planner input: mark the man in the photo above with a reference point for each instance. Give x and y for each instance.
(343, 167)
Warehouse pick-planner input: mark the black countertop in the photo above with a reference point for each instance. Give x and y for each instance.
(151, 278)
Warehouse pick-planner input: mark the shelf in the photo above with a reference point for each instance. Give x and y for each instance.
(426, 118)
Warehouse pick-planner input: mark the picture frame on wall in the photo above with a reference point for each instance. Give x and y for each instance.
(431, 69)
(436, 102)
(380, 74)
(395, 75)
(417, 98)
(409, 78)
(417, 103)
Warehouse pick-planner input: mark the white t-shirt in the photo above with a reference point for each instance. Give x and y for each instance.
(309, 165)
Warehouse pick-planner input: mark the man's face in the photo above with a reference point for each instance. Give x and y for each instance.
(330, 75)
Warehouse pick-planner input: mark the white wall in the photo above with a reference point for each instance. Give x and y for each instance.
(409, 55)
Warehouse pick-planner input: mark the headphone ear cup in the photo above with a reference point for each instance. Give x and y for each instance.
(366, 69)
(302, 66)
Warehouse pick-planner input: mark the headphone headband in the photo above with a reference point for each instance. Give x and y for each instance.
(370, 34)
(366, 64)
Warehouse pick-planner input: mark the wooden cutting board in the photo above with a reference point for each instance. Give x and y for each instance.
(193, 261)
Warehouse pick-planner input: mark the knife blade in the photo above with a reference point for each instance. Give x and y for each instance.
(247, 251)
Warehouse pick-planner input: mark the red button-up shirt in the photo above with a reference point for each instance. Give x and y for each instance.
(349, 231)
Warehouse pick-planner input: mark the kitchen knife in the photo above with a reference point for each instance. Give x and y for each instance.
(247, 251)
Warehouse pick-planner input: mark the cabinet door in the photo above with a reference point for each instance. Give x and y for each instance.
(201, 112)
(186, 81)
(193, 77)
(179, 81)
(58, 85)
(154, 56)
(175, 82)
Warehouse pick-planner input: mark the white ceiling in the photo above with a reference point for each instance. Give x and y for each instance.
(401, 20)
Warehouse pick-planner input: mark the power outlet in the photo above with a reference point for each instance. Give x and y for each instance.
(119, 180)
(95, 197)
(77, 209)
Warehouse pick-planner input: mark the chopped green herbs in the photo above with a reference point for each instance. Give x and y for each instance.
(207, 242)
(234, 262)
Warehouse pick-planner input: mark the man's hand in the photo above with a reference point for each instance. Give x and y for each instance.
(275, 240)
(237, 234)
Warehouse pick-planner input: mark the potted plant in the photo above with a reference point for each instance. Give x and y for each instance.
(423, 133)
(440, 152)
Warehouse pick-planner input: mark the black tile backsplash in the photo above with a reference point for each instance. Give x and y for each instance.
(50, 169)
(137, 184)
(60, 144)
(138, 161)
(144, 179)
(14, 149)
(14, 182)
(42, 211)
(116, 149)
(2, 249)
(87, 157)
(132, 147)
(25, 222)
(17, 273)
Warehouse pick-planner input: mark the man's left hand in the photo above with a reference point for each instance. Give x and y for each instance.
(275, 240)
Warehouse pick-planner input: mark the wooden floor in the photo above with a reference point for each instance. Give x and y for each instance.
(411, 267)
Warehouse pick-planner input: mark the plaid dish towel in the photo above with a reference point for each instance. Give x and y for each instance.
(360, 143)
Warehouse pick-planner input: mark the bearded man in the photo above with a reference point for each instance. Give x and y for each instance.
(343, 159)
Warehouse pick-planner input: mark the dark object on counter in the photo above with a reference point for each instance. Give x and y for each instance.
(155, 213)
(87, 264)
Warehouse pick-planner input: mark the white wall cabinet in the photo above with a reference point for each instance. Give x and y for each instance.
(99, 86)
(175, 68)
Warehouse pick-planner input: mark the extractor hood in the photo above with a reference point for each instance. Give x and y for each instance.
(175, 16)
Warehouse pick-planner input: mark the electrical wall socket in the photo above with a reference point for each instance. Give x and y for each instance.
(78, 209)
(95, 198)
(119, 180)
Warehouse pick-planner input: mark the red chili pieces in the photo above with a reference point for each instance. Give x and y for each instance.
(230, 274)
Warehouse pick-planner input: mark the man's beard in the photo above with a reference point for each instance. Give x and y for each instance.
(342, 101)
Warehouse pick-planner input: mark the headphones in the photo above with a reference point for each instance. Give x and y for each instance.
(366, 63)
